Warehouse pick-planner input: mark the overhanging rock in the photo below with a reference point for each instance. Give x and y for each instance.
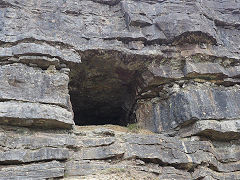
(190, 103)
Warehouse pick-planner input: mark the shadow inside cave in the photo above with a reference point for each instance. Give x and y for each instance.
(102, 91)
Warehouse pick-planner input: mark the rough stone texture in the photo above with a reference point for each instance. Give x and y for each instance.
(100, 152)
(213, 129)
(155, 156)
(31, 96)
(22, 83)
(171, 67)
(191, 102)
(39, 49)
(119, 40)
(25, 156)
(34, 114)
(33, 171)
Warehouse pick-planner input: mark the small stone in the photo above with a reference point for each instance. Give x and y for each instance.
(65, 70)
(104, 132)
(33, 65)
(140, 162)
(203, 46)
(136, 45)
(13, 59)
(63, 65)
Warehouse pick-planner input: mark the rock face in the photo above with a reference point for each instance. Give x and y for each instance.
(171, 67)
(82, 152)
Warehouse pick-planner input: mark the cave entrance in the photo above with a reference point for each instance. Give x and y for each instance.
(88, 111)
(101, 91)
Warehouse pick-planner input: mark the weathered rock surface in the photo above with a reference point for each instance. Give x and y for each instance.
(213, 129)
(171, 67)
(35, 114)
(80, 153)
(25, 156)
(191, 102)
(23, 83)
(43, 170)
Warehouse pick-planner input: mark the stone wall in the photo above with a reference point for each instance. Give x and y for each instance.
(171, 67)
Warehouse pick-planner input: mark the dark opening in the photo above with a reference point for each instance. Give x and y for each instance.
(89, 112)
(101, 91)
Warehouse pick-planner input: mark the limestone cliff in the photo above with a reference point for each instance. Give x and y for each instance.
(170, 67)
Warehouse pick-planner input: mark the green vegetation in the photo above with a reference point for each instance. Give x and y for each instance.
(135, 128)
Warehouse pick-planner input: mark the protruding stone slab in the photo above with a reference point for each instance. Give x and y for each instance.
(208, 69)
(165, 72)
(26, 156)
(43, 49)
(206, 173)
(219, 130)
(30, 141)
(85, 167)
(173, 173)
(171, 151)
(101, 152)
(98, 142)
(23, 83)
(35, 114)
(137, 14)
(38, 171)
(191, 103)
(40, 61)
(173, 25)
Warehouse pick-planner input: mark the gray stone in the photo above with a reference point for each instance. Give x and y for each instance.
(85, 167)
(23, 83)
(165, 71)
(191, 103)
(175, 18)
(234, 72)
(173, 25)
(203, 172)
(208, 69)
(98, 142)
(23, 49)
(173, 63)
(172, 173)
(35, 114)
(104, 132)
(135, 14)
(135, 45)
(101, 152)
(185, 154)
(219, 130)
(40, 61)
(45, 170)
(86, 156)
(144, 139)
(31, 141)
(108, 2)
(26, 156)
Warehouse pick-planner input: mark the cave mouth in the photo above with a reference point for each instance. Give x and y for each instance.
(88, 111)
(102, 91)
(97, 113)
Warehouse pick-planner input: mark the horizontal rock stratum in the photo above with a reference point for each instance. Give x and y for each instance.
(167, 70)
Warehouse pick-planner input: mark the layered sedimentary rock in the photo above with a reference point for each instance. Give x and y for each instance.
(31, 96)
(171, 67)
(82, 152)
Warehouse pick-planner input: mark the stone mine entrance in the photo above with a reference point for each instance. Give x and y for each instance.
(101, 91)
